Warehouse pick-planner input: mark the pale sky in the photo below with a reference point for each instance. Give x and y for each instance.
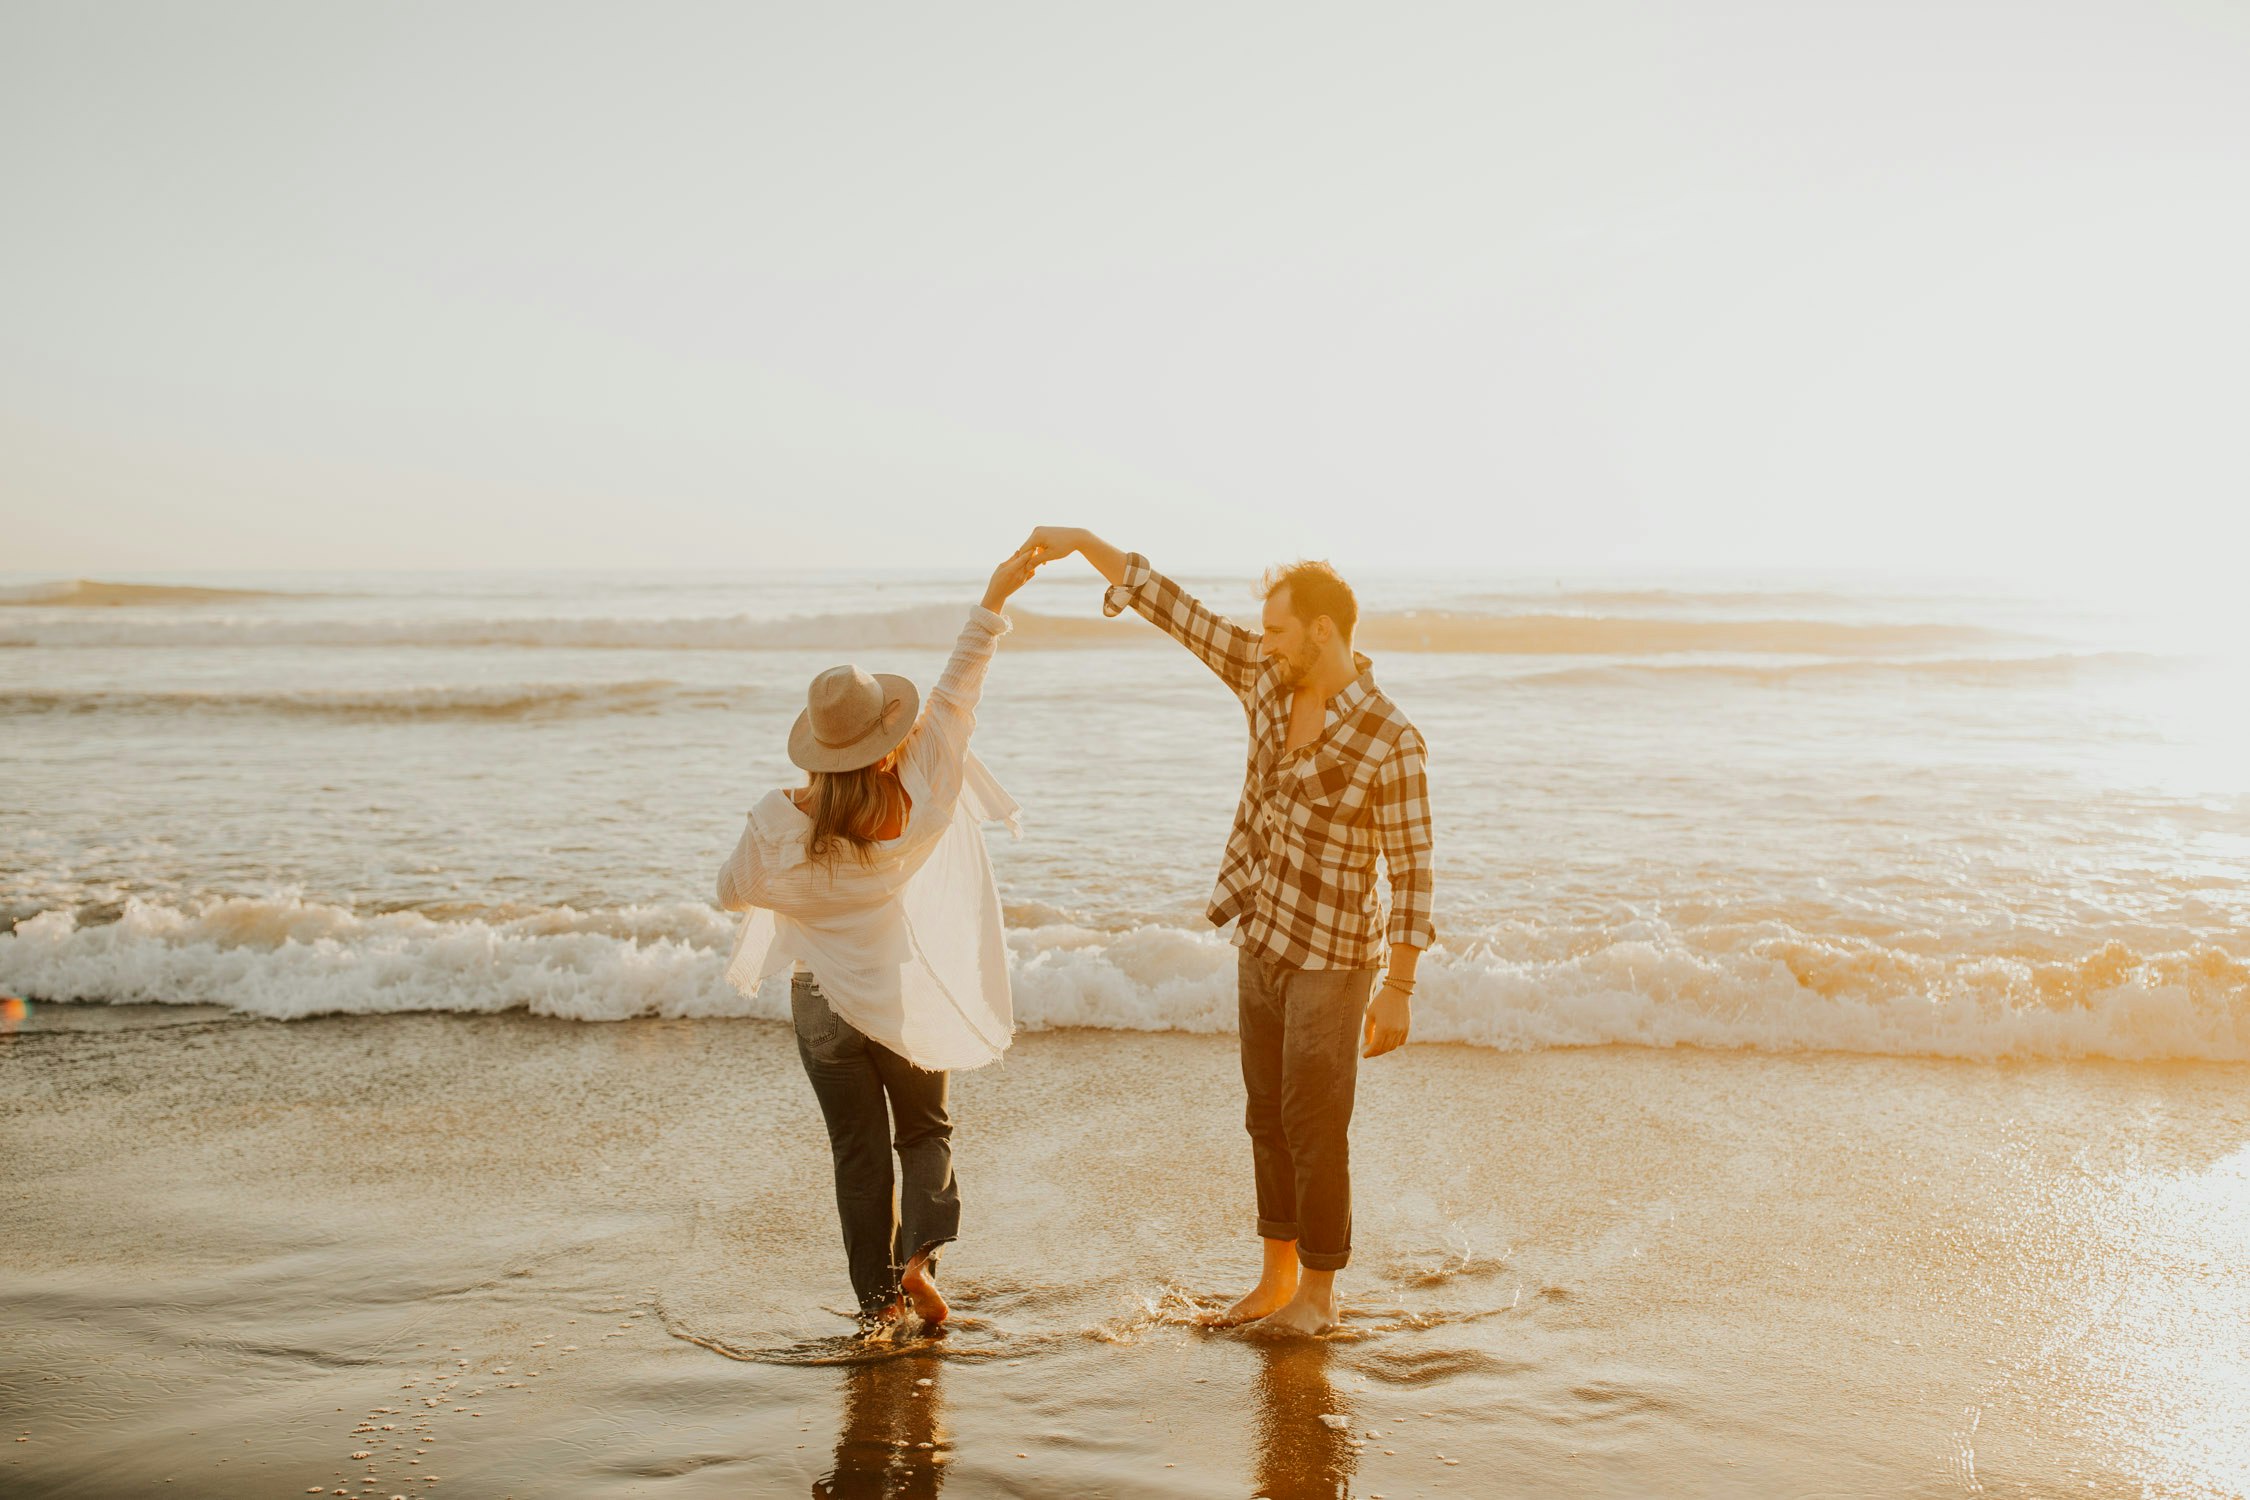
(1761, 285)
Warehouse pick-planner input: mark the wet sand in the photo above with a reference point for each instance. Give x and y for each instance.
(506, 1256)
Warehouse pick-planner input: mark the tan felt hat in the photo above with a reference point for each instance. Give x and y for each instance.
(852, 719)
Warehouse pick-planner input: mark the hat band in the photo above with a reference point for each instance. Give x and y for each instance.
(856, 735)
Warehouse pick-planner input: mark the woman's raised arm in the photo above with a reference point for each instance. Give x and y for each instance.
(951, 710)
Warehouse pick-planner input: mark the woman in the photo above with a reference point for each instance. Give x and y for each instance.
(872, 880)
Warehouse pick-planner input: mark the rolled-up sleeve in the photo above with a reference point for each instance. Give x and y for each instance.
(1125, 593)
(1403, 823)
(1220, 644)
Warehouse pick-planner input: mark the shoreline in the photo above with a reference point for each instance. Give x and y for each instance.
(71, 1017)
(1600, 1271)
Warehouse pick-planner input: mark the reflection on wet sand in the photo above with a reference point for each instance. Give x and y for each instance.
(1301, 1457)
(891, 1443)
(1739, 1274)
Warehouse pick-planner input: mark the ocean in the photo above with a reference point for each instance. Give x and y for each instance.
(1829, 1080)
(1731, 814)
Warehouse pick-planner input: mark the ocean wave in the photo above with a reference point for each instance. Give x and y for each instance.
(928, 627)
(1703, 601)
(287, 958)
(1636, 635)
(504, 701)
(1961, 669)
(1771, 989)
(92, 592)
(934, 627)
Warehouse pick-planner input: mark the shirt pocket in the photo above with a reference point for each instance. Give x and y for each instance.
(1326, 787)
(1328, 819)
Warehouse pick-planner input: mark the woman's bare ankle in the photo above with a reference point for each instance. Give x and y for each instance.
(921, 1291)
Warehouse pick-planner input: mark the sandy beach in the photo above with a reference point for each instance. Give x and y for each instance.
(1732, 522)
(511, 1256)
(1829, 1080)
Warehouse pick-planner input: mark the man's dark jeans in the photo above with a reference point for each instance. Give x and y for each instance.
(852, 1077)
(1300, 1063)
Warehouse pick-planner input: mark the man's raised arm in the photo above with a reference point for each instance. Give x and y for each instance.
(1223, 646)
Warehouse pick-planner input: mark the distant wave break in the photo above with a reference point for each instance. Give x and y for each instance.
(77, 592)
(501, 701)
(558, 700)
(933, 627)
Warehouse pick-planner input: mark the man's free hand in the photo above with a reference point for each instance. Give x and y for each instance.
(1389, 1015)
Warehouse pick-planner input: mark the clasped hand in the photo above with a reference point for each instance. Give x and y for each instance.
(1013, 573)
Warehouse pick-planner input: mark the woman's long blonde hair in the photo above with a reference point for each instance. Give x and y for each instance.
(848, 807)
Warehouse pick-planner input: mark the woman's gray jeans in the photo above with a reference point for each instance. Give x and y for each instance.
(886, 1220)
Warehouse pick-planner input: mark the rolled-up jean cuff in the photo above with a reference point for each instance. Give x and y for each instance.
(1313, 1260)
(1275, 1229)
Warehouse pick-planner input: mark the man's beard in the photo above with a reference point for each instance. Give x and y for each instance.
(1294, 673)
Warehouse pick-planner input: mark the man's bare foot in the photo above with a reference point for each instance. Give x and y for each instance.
(1259, 1303)
(1309, 1312)
(915, 1282)
(1277, 1283)
(1263, 1300)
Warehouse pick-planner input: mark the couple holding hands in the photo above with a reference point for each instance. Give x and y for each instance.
(872, 884)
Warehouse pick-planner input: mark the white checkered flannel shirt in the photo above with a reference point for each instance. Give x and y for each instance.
(1298, 877)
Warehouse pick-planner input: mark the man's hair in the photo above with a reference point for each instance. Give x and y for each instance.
(1315, 589)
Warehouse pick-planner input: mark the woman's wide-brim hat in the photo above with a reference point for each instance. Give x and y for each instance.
(852, 719)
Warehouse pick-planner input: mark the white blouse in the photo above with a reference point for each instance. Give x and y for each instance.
(907, 946)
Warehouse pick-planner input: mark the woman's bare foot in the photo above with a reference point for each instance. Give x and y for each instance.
(1277, 1283)
(882, 1322)
(915, 1282)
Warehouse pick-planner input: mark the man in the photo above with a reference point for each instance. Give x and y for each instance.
(1336, 776)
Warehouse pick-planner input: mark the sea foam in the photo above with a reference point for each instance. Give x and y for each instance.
(1647, 985)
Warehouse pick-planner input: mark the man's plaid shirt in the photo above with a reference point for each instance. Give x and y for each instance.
(1298, 878)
